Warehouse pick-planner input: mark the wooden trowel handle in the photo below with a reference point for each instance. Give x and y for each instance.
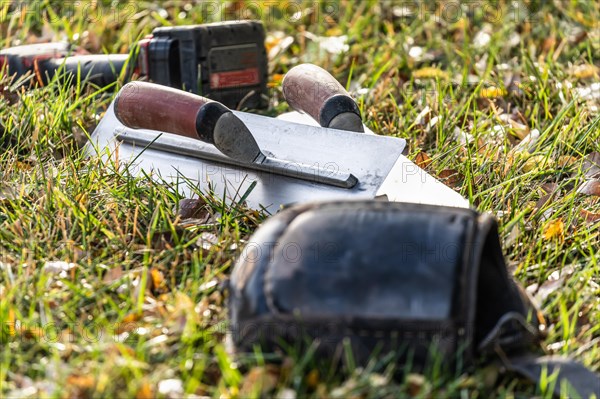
(310, 89)
(143, 105)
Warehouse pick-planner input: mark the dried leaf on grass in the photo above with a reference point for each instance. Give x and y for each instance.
(565, 161)
(590, 187)
(260, 380)
(591, 165)
(193, 208)
(492, 92)
(451, 177)
(82, 382)
(585, 71)
(112, 275)
(550, 191)
(145, 391)
(430, 73)
(158, 281)
(588, 216)
(555, 281)
(423, 160)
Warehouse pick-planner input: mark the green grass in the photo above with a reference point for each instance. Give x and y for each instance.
(139, 302)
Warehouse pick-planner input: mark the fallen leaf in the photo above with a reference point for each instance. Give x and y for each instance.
(276, 80)
(590, 187)
(550, 190)
(261, 379)
(520, 130)
(451, 177)
(430, 73)
(588, 216)
(565, 161)
(555, 280)
(554, 229)
(193, 208)
(113, 275)
(158, 279)
(513, 235)
(423, 160)
(145, 391)
(585, 71)
(591, 165)
(549, 44)
(131, 317)
(81, 381)
(549, 187)
(492, 92)
(463, 137)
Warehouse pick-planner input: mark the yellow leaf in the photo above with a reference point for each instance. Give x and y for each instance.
(81, 381)
(554, 229)
(145, 391)
(276, 80)
(585, 71)
(565, 161)
(430, 73)
(492, 92)
(157, 277)
(11, 322)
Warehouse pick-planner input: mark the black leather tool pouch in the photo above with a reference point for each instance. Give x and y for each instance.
(414, 279)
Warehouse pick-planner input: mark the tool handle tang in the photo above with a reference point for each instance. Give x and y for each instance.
(310, 89)
(142, 105)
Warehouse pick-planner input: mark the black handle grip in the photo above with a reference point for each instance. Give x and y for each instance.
(100, 70)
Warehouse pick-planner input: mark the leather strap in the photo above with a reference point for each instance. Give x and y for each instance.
(561, 373)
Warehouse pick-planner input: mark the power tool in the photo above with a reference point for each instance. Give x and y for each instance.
(223, 61)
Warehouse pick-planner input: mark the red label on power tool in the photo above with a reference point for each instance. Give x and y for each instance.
(244, 77)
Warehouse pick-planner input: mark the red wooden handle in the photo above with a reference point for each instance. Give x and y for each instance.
(307, 88)
(143, 105)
